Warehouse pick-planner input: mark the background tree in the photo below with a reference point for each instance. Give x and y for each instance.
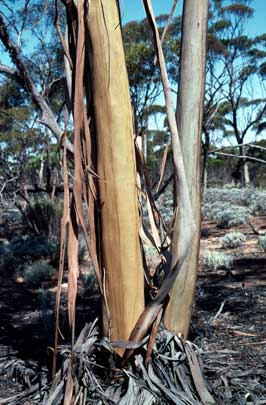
(143, 72)
(235, 98)
(38, 70)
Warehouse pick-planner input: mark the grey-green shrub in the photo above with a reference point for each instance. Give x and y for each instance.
(37, 272)
(232, 217)
(262, 242)
(258, 206)
(214, 260)
(233, 196)
(211, 210)
(233, 240)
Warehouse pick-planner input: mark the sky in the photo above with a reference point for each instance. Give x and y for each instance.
(133, 10)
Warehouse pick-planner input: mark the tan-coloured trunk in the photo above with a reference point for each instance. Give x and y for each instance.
(189, 118)
(121, 255)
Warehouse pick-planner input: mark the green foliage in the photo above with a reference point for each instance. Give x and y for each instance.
(215, 260)
(239, 9)
(37, 272)
(233, 240)
(233, 104)
(262, 242)
(24, 250)
(90, 282)
(143, 73)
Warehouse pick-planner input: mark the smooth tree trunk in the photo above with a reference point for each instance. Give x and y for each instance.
(189, 119)
(245, 180)
(119, 215)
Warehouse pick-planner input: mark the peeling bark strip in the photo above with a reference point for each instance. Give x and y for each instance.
(64, 226)
(189, 119)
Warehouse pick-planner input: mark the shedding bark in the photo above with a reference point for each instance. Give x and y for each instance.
(119, 216)
(189, 118)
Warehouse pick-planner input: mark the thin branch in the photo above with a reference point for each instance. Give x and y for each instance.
(61, 36)
(239, 157)
(237, 146)
(170, 17)
(169, 20)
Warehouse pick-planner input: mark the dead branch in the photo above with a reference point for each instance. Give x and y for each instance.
(239, 156)
(237, 146)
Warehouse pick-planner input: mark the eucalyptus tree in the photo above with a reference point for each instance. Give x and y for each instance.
(189, 118)
(235, 101)
(105, 171)
(32, 56)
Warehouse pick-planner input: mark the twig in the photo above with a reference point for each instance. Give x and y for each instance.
(219, 311)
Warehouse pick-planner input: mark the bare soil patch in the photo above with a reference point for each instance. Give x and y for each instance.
(229, 318)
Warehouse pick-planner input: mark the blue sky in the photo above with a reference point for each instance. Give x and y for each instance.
(133, 10)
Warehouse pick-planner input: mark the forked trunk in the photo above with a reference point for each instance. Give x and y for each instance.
(189, 118)
(119, 215)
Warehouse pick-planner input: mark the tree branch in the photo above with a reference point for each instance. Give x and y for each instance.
(239, 156)
(237, 146)
(24, 79)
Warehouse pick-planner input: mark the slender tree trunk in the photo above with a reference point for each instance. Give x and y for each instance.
(204, 171)
(246, 174)
(245, 181)
(119, 217)
(189, 118)
(145, 144)
(205, 177)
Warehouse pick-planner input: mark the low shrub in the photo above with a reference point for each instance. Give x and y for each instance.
(43, 217)
(233, 240)
(23, 250)
(258, 206)
(215, 260)
(90, 282)
(232, 196)
(262, 242)
(233, 216)
(211, 210)
(37, 272)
